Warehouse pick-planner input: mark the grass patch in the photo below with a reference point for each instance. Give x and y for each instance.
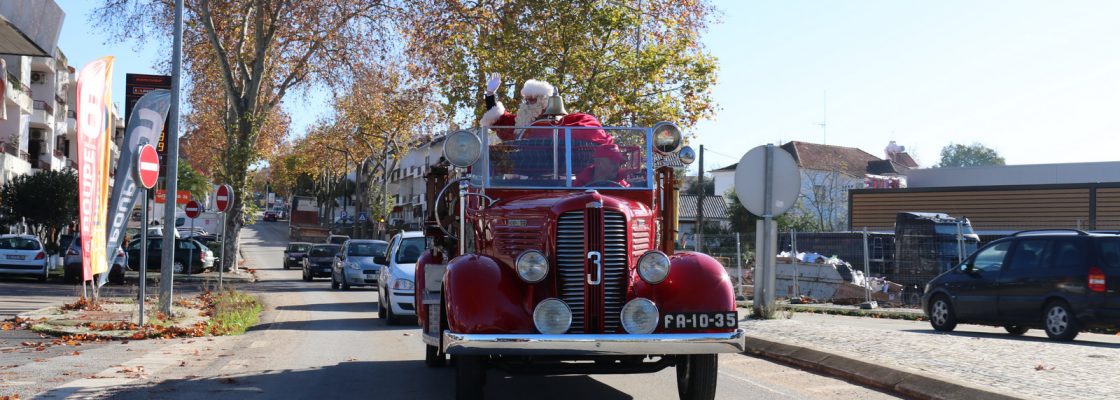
(233, 312)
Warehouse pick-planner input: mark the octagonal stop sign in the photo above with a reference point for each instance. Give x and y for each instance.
(193, 209)
(223, 198)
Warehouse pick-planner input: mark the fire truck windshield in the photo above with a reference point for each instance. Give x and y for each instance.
(561, 162)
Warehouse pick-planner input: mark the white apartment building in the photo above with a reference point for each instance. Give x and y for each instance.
(407, 184)
(37, 119)
(38, 122)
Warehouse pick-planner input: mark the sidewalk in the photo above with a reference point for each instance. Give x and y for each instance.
(910, 358)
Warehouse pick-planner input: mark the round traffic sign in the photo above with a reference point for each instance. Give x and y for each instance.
(223, 198)
(193, 209)
(750, 181)
(147, 166)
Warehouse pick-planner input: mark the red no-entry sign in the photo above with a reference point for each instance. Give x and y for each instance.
(223, 198)
(193, 209)
(147, 166)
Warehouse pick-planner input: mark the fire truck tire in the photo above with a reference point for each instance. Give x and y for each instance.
(433, 358)
(470, 376)
(696, 376)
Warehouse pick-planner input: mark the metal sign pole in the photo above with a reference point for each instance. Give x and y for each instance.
(143, 265)
(764, 304)
(221, 264)
(167, 276)
(190, 252)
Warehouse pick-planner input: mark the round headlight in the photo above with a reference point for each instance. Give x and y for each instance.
(653, 267)
(639, 316)
(462, 148)
(667, 137)
(531, 266)
(553, 317)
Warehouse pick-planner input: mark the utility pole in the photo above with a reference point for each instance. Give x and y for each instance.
(168, 262)
(700, 203)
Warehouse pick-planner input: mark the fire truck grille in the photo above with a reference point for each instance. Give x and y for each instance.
(571, 264)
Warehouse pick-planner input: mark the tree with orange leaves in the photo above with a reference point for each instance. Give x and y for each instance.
(243, 57)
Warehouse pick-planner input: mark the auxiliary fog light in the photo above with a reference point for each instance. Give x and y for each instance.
(639, 316)
(653, 267)
(553, 317)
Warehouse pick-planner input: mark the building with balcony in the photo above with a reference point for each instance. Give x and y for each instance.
(38, 123)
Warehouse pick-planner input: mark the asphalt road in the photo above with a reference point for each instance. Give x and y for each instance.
(315, 342)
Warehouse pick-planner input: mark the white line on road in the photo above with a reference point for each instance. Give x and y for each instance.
(753, 383)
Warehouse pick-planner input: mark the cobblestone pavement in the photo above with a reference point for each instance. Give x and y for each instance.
(1029, 367)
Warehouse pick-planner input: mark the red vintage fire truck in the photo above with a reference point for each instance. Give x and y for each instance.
(538, 264)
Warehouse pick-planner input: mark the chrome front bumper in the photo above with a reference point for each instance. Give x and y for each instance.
(594, 344)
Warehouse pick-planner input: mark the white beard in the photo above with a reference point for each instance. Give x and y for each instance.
(527, 113)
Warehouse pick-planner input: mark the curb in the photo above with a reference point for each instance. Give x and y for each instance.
(840, 310)
(60, 333)
(873, 375)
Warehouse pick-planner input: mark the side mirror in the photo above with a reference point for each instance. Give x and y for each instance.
(380, 260)
(342, 257)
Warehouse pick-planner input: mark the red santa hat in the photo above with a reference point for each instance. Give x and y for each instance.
(535, 88)
(609, 151)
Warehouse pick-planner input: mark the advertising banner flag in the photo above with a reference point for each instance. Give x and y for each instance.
(144, 127)
(94, 133)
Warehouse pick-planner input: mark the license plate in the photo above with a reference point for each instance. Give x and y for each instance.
(700, 320)
(368, 276)
(11, 257)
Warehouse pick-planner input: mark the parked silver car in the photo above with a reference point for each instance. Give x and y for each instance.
(24, 255)
(396, 296)
(355, 266)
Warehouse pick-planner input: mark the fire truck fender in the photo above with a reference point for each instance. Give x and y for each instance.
(696, 283)
(482, 296)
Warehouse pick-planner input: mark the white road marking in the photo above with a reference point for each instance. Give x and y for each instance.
(753, 383)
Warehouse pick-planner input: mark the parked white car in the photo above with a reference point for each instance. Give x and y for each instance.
(24, 255)
(396, 279)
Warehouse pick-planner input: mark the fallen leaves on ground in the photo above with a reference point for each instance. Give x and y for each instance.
(83, 304)
(12, 397)
(1041, 367)
(15, 324)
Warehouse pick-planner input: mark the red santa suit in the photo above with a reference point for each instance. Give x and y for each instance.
(504, 121)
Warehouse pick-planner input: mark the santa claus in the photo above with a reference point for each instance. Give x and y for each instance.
(534, 101)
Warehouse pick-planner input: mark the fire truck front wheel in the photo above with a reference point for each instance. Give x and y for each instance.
(470, 376)
(696, 376)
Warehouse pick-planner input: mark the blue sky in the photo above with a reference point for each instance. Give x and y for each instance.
(1037, 80)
